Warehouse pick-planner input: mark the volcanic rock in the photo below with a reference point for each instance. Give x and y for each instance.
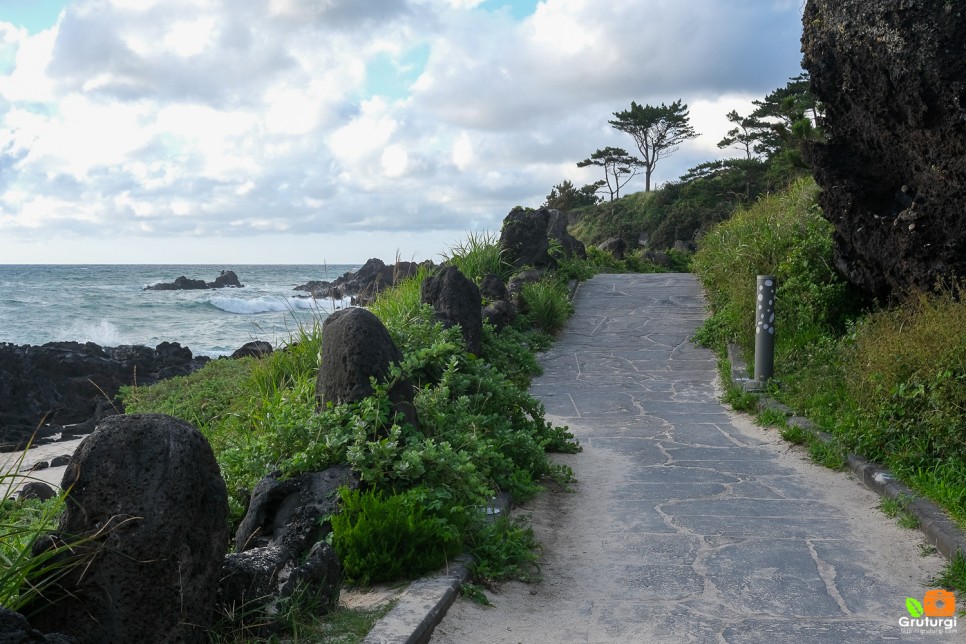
(357, 347)
(278, 546)
(528, 238)
(68, 387)
(15, 629)
(616, 246)
(147, 492)
(373, 277)
(891, 76)
(456, 300)
(227, 279)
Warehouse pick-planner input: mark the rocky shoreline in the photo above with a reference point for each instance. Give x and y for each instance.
(62, 390)
(59, 391)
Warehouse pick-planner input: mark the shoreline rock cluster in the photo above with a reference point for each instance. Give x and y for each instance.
(365, 283)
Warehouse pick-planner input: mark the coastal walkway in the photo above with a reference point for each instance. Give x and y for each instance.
(689, 523)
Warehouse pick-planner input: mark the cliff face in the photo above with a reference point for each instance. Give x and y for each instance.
(891, 75)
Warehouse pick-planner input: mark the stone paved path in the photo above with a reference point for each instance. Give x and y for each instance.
(688, 523)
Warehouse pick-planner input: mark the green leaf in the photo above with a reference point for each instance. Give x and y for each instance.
(914, 607)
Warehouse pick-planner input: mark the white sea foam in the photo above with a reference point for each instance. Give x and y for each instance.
(266, 304)
(103, 333)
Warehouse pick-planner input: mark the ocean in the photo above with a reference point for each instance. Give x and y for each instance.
(107, 305)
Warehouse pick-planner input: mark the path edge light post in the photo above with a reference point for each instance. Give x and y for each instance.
(765, 328)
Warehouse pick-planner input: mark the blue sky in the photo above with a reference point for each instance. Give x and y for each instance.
(311, 131)
(34, 15)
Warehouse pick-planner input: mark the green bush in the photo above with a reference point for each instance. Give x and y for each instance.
(480, 433)
(889, 384)
(381, 537)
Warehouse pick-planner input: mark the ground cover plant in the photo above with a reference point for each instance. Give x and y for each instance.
(886, 380)
(424, 490)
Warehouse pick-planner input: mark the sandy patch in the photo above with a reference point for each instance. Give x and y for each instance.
(15, 467)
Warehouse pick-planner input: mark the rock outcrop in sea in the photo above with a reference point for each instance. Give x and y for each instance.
(227, 279)
(891, 76)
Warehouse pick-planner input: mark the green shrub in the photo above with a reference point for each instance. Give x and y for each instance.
(505, 549)
(381, 537)
(889, 385)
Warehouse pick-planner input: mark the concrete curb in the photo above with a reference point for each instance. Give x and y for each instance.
(939, 530)
(422, 606)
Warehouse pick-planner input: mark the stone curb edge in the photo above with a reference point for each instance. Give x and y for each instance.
(939, 530)
(422, 606)
(425, 601)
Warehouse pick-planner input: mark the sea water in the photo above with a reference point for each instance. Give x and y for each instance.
(108, 305)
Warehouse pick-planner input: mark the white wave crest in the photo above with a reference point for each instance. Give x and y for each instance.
(103, 333)
(261, 304)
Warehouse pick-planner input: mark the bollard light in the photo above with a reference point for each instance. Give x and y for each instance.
(765, 328)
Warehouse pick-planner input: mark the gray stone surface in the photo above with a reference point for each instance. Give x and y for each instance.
(686, 526)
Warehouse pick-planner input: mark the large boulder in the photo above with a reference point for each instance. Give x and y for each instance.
(529, 236)
(356, 346)
(498, 310)
(891, 76)
(456, 300)
(616, 246)
(255, 581)
(499, 313)
(492, 288)
(146, 491)
(67, 387)
(278, 544)
(291, 512)
(253, 349)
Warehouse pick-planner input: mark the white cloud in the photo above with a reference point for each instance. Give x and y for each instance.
(223, 119)
(190, 37)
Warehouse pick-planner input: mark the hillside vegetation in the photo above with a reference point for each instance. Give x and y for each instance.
(886, 380)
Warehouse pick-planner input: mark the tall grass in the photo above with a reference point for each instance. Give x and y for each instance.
(479, 255)
(784, 235)
(546, 305)
(25, 575)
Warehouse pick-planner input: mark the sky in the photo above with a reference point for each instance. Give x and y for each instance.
(332, 131)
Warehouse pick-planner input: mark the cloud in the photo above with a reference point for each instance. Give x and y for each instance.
(233, 120)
